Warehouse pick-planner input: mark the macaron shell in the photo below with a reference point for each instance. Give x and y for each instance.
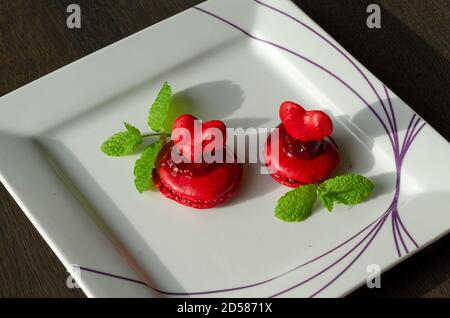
(219, 183)
(286, 181)
(292, 171)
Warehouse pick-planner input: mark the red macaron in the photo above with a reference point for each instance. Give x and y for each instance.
(301, 150)
(200, 185)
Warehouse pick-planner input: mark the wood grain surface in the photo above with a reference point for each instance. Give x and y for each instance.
(410, 53)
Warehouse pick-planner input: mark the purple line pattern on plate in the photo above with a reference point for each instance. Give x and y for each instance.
(399, 230)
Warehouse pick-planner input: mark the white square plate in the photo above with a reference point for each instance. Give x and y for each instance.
(236, 60)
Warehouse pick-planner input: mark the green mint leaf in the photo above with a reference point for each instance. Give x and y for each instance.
(327, 202)
(297, 205)
(348, 189)
(144, 166)
(160, 109)
(123, 143)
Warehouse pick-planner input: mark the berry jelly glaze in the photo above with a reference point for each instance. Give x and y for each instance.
(298, 162)
(198, 185)
(302, 149)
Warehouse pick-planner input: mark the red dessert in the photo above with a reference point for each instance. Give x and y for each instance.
(196, 184)
(304, 152)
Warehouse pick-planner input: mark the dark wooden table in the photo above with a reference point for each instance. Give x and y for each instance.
(410, 53)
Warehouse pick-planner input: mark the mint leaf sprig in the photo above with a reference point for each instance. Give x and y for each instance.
(160, 109)
(127, 142)
(348, 190)
(123, 143)
(143, 167)
(297, 205)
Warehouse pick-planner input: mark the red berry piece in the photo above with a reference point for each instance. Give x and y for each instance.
(305, 125)
(191, 136)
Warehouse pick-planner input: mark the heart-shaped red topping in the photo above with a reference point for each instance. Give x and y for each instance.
(192, 137)
(305, 125)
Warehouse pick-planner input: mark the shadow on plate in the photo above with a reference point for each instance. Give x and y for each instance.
(364, 128)
(212, 100)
